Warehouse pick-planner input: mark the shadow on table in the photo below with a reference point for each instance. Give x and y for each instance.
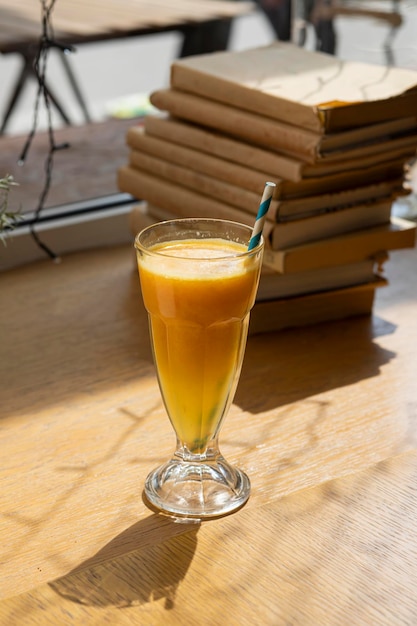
(145, 563)
(91, 339)
(297, 363)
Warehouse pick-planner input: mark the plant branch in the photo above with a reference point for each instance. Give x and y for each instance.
(46, 42)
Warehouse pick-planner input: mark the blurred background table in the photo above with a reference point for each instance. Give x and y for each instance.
(77, 22)
(324, 422)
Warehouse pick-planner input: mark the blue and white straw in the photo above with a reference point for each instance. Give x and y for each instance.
(260, 218)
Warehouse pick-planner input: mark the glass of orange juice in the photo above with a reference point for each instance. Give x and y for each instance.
(199, 283)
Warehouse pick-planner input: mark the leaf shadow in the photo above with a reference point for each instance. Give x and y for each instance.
(145, 563)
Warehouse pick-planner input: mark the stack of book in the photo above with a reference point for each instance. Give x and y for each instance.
(333, 135)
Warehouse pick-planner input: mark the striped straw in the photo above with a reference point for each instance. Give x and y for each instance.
(260, 218)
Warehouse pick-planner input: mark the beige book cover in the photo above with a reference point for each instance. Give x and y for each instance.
(309, 89)
(330, 224)
(313, 308)
(368, 135)
(179, 200)
(244, 164)
(245, 125)
(403, 146)
(217, 144)
(273, 285)
(286, 189)
(201, 183)
(342, 249)
(287, 210)
(285, 234)
(225, 171)
(259, 130)
(387, 171)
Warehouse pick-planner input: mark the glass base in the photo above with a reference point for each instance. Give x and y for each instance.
(197, 488)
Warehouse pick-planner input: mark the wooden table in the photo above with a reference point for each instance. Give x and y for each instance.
(324, 422)
(77, 22)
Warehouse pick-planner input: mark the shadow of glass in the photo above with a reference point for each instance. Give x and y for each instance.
(295, 364)
(145, 563)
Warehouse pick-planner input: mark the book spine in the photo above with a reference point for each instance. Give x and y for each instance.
(255, 128)
(331, 224)
(167, 171)
(369, 132)
(336, 119)
(292, 209)
(338, 250)
(311, 309)
(215, 167)
(202, 83)
(179, 201)
(376, 152)
(217, 144)
(386, 171)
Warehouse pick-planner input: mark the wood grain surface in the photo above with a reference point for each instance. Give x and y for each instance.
(324, 422)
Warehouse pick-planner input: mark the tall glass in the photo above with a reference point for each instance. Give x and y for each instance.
(198, 283)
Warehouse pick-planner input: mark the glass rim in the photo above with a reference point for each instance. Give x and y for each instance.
(139, 246)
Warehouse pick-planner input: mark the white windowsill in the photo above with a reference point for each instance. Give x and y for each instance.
(63, 235)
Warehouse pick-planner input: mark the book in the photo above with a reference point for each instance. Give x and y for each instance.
(248, 177)
(346, 248)
(186, 202)
(330, 224)
(195, 160)
(273, 285)
(283, 235)
(244, 125)
(140, 218)
(273, 315)
(180, 201)
(311, 90)
(198, 181)
(375, 151)
(251, 180)
(313, 205)
(387, 171)
(240, 196)
(208, 141)
(231, 160)
(268, 133)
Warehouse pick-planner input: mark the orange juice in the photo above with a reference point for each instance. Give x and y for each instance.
(198, 293)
